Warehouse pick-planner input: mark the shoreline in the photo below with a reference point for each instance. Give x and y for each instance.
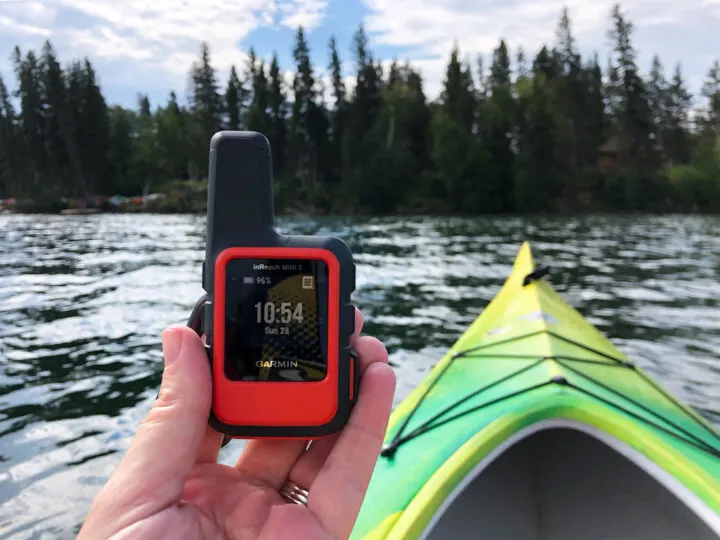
(299, 214)
(189, 199)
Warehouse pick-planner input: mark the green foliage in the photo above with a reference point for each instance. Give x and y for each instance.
(697, 186)
(539, 131)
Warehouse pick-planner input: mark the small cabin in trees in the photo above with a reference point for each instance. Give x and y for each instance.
(608, 155)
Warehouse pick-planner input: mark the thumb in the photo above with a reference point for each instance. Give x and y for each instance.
(167, 441)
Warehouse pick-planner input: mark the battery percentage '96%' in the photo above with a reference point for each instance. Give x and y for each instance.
(259, 280)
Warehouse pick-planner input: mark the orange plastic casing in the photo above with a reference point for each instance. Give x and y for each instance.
(267, 403)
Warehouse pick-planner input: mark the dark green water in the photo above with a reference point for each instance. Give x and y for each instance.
(83, 301)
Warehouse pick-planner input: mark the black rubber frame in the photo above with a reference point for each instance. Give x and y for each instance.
(241, 214)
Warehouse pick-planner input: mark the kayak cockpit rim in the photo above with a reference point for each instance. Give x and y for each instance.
(672, 486)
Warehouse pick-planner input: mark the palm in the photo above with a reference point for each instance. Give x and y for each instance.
(224, 503)
(220, 502)
(170, 485)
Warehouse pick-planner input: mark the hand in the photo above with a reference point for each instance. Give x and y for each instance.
(170, 485)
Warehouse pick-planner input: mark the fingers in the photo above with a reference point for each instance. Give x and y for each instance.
(167, 442)
(348, 468)
(152, 473)
(369, 351)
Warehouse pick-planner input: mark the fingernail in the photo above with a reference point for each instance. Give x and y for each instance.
(172, 344)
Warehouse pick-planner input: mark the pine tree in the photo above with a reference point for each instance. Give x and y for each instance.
(631, 114)
(456, 153)
(206, 106)
(31, 122)
(521, 62)
(545, 65)
(10, 177)
(303, 154)
(96, 128)
(360, 137)
(145, 164)
(498, 114)
(594, 132)
(658, 100)
(568, 96)
(277, 113)
(232, 100)
(458, 92)
(366, 95)
(419, 123)
(500, 72)
(396, 167)
(539, 170)
(338, 114)
(257, 114)
(632, 111)
(711, 92)
(57, 122)
(679, 102)
(173, 146)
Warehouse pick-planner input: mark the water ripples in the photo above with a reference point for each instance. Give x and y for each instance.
(83, 301)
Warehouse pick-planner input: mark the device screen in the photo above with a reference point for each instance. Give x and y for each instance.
(276, 320)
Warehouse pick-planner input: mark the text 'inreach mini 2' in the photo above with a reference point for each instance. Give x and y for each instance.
(277, 316)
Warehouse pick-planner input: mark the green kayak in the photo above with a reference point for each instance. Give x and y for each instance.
(534, 426)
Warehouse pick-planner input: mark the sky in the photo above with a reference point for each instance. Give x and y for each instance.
(149, 46)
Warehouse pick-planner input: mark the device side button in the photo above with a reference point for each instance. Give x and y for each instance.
(208, 323)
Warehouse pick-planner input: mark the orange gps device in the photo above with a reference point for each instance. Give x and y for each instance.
(277, 317)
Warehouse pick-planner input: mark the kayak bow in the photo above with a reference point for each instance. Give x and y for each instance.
(534, 425)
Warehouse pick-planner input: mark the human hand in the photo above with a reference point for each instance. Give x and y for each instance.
(170, 485)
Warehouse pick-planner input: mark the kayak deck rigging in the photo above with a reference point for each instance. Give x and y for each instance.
(435, 421)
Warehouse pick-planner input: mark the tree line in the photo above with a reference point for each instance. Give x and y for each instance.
(555, 132)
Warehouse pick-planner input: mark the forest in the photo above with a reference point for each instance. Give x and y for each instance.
(547, 131)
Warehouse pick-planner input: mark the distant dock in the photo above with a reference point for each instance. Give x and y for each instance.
(78, 211)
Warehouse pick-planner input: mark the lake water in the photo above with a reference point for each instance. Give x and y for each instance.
(83, 301)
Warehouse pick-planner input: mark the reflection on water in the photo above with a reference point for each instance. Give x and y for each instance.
(83, 300)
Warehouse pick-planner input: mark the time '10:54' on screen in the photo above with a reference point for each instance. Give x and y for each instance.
(270, 312)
